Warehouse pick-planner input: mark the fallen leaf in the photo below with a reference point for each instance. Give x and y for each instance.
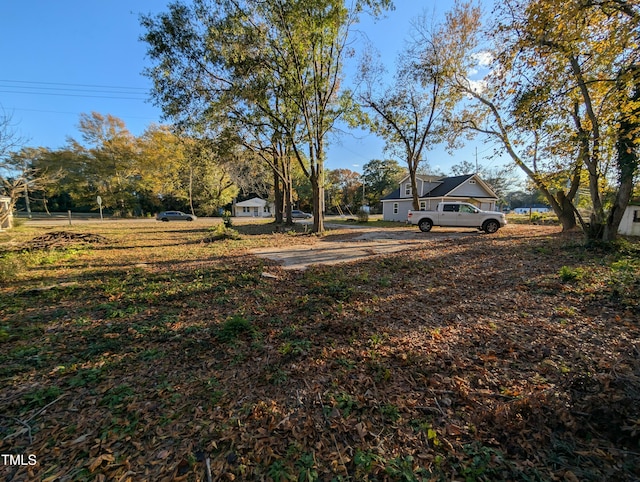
(163, 454)
(98, 461)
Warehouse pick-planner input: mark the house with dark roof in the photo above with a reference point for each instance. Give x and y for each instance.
(434, 189)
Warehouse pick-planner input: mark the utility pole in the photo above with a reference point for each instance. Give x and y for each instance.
(476, 160)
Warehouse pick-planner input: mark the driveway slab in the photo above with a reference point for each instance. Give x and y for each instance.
(366, 244)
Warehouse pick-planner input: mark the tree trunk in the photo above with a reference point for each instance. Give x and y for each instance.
(318, 194)
(566, 212)
(414, 186)
(288, 200)
(26, 199)
(288, 188)
(414, 193)
(317, 187)
(562, 205)
(627, 160)
(191, 188)
(278, 200)
(610, 229)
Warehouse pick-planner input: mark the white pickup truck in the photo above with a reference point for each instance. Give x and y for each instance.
(458, 214)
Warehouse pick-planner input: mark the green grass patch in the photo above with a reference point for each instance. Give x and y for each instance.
(569, 274)
(294, 348)
(87, 377)
(235, 327)
(40, 397)
(116, 397)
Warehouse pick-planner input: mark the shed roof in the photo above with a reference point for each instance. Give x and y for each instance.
(253, 202)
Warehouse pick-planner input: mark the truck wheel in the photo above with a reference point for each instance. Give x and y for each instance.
(491, 226)
(425, 225)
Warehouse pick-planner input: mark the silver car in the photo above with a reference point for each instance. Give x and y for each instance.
(174, 216)
(297, 214)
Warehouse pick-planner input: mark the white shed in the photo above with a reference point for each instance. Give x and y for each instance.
(255, 208)
(630, 224)
(6, 216)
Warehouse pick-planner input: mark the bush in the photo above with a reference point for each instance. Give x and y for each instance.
(226, 219)
(570, 274)
(535, 217)
(234, 327)
(220, 232)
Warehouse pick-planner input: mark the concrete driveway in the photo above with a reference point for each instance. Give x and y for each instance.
(363, 244)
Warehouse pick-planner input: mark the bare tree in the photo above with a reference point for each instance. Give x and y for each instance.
(23, 179)
(9, 138)
(410, 113)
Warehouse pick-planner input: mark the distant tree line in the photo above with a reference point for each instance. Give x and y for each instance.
(132, 175)
(255, 87)
(159, 170)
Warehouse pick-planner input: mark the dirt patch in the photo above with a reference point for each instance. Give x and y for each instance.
(56, 240)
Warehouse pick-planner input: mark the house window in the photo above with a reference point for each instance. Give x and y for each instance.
(266, 209)
(407, 189)
(636, 216)
(395, 208)
(423, 205)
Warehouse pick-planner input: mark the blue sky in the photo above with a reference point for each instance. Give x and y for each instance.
(67, 57)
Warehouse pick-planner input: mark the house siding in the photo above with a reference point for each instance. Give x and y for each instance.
(630, 223)
(404, 205)
(467, 189)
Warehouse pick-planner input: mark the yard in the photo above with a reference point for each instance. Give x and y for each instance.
(153, 351)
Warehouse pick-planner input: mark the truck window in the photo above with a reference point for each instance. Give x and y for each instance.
(467, 209)
(451, 208)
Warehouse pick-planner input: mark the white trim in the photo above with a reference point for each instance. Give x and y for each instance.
(407, 189)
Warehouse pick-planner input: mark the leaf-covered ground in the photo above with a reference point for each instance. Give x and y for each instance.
(152, 353)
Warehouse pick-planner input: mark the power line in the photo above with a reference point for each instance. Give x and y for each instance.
(73, 95)
(59, 89)
(44, 111)
(95, 86)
